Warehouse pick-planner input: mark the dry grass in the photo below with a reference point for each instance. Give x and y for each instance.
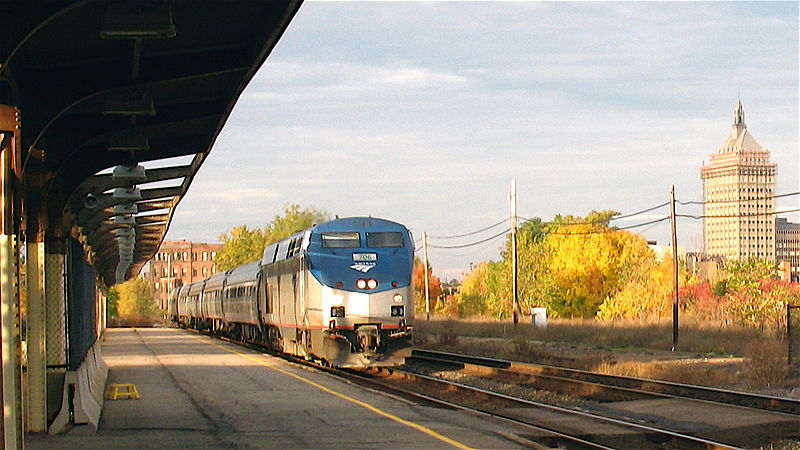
(767, 366)
(708, 354)
(698, 338)
(689, 372)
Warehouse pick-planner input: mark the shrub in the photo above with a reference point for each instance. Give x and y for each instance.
(767, 365)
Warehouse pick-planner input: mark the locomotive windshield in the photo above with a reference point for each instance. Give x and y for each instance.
(341, 239)
(385, 240)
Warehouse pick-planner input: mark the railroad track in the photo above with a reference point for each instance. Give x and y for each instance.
(548, 425)
(542, 425)
(601, 386)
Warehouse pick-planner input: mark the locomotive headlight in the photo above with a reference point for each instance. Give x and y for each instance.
(372, 283)
(397, 298)
(397, 311)
(361, 283)
(337, 311)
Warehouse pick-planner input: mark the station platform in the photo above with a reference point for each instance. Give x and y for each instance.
(198, 392)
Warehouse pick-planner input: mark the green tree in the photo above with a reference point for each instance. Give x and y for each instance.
(293, 220)
(243, 245)
(112, 303)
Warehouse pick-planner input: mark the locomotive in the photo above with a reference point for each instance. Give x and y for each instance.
(339, 292)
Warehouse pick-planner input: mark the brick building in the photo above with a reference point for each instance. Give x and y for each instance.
(178, 263)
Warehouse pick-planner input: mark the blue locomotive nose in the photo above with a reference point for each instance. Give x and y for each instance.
(378, 259)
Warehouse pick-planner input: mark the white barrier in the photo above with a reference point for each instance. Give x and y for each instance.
(88, 385)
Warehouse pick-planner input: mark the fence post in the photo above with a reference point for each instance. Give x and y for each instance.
(789, 338)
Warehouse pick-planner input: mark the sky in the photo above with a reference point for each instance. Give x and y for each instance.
(423, 113)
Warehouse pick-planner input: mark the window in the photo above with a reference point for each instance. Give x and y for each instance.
(205, 256)
(194, 256)
(185, 256)
(213, 255)
(392, 239)
(205, 271)
(341, 239)
(194, 271)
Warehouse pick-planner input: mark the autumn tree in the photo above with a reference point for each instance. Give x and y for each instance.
(434, 287)
(648, 294)
(589, 262)
(755, 298)
(482, 293)
(135, 299)
(243, 245)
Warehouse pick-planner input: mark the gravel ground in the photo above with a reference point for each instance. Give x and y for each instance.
(514, 390)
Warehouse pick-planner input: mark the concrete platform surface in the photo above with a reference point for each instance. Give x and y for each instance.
(197, 392)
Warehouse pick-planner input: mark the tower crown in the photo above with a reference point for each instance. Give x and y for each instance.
(740, 139)
(738, 119)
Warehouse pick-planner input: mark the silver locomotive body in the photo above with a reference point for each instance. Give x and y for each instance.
(332, 304)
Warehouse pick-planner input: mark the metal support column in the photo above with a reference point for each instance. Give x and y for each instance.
(36, 320)
(13, 435)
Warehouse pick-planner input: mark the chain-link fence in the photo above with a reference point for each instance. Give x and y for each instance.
(81, 301)
(55, 312)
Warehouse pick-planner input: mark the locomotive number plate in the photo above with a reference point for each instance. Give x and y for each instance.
(365, 257)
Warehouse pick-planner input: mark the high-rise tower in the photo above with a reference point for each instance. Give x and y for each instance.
(738, 191)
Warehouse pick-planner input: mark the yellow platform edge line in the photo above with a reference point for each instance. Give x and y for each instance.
(365, 405)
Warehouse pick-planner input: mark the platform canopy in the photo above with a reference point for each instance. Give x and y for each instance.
(120, 102)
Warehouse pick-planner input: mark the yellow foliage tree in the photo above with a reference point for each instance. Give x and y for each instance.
(590, 262)
(648, 293)
(136, 299)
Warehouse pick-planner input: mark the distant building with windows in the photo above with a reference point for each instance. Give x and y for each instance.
(181, 262)
(738, 194)
(787, 248)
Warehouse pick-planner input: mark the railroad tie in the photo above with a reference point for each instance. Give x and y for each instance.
(116, 391)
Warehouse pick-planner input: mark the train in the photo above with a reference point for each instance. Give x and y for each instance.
(339, 293)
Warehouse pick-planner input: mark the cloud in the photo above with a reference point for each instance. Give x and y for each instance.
(326, 81)
(241, 194)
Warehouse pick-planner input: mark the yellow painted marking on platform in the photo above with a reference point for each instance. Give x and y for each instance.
(366, 405)
(116, 391)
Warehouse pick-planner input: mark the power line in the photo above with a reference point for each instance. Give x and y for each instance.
(734, 216)
(594, 222)
(610, 229)
(472, 243)
(625, 216)
(470, 233)
(478, 249)
(738, 200)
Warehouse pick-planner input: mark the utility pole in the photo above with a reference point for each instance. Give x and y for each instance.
(674, 268)
(515, 287)
(427, 285)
